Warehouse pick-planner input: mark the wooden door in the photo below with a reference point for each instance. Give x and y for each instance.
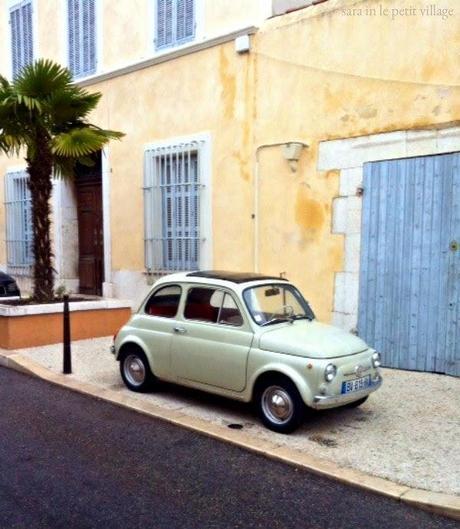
(410, 262)
(90, 237)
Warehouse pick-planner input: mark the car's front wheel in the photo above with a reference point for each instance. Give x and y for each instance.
(135, 370)
(280, 405)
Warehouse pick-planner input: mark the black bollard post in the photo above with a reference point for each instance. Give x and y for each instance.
(67, 368)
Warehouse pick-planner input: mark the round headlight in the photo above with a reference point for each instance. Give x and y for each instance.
(330, 372)
(376, 360)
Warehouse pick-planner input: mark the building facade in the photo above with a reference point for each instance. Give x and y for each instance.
(274, 136)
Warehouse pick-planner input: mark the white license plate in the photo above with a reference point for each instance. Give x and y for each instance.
(356, 385)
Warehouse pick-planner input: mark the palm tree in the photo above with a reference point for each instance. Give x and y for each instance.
(44, 115)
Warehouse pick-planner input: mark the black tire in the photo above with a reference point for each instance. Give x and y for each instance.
(357, 403)
(286, 416)
(135, 370)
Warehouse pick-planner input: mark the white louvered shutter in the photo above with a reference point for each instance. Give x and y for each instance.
(15, 16)
(185, 23)
(82, 37)
(175, 22)
(172, 208)
(22, 51)
(18, 222)
(72, 25)
(164, 23)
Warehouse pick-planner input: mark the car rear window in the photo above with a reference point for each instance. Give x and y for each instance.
(164, 302)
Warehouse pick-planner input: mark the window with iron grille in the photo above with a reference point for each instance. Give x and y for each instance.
(81, 22)
(175, 22)
(172, 199)
(22, 48)
(19, 235)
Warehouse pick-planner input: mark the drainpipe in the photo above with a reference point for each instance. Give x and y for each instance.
(107, 285)
(256, 195)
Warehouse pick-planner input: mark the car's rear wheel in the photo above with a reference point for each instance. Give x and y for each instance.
(280, 405)
(135, 370)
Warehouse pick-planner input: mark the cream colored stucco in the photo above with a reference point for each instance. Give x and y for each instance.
(126, 32)
(313, 75)
(51, 30)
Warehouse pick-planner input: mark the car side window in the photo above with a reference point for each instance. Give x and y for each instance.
(212, 306)
(203, 304)
(229, 312)
(164, 302)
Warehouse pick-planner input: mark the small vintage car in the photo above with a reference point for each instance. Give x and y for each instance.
(8, 286)
(247, 337)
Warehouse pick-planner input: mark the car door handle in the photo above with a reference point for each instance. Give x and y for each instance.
(180, 330)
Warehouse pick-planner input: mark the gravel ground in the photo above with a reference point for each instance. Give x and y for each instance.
(407, 432)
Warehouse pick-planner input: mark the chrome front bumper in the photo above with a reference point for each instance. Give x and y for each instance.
(333, 401)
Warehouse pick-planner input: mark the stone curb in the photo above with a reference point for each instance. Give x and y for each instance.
(439, 503)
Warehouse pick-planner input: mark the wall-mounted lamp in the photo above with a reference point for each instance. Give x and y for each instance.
(292, 152)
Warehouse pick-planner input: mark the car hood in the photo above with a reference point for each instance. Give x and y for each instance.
(310, 339)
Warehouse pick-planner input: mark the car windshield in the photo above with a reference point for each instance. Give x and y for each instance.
(276, 303)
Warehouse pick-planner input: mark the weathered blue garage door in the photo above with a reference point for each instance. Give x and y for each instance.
(410, 262)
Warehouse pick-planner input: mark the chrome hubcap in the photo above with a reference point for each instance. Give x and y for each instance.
(277, 404)
(134, 370)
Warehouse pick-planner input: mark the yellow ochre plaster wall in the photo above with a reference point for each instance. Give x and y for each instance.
(319, 73)
(206, 92)
(325, 72)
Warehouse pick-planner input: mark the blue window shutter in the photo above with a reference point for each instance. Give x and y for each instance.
(185, 19)
(82, 37)
(28, 37)
(21, 36)
(15, 42)
(85, 35)
(180, 20)
(92, 35)
(172, 208)
(160, 39)
(74, 36)
(175, 22)
(164, 23)
(71, 34)
(19, 234)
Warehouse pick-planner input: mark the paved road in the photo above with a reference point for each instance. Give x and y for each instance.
(69, 461)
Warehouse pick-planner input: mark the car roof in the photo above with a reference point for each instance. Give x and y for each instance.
(219, 277)
(233, 277)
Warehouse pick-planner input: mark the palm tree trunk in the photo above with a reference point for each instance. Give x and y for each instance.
(40, 168)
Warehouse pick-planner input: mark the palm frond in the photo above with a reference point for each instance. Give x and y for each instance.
(4, 83)
(10, 144)
(70, 105)
(64, 167)
(41, 78)
(44, 103)
(82, 142)
(30, 103)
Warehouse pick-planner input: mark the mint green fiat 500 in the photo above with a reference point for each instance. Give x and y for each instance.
(247, 337)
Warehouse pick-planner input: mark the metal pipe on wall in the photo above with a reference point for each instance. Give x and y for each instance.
(256, 194)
